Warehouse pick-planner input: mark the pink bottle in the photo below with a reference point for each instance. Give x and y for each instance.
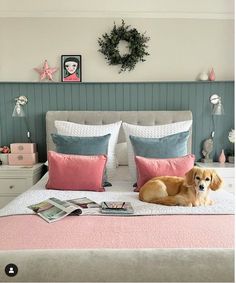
(222, 157)
(212, 75)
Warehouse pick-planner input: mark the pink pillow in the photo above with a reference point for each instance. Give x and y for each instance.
(148, 168)
(76, 172)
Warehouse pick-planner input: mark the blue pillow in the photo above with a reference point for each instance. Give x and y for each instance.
(82, 146)
(166, 147)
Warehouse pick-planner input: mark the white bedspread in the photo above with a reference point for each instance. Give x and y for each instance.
(121, 190)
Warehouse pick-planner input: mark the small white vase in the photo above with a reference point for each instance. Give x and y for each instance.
(203, 76)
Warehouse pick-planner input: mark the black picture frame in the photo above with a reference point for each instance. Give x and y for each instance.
(74, 76)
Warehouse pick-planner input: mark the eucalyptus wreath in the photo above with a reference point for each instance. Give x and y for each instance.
(137, 46)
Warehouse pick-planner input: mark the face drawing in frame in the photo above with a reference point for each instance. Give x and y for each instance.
(71, 68)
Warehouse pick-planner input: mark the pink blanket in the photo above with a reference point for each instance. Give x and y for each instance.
(89, 232)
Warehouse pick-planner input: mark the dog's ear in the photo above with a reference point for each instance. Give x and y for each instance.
(216, 181)
(189, 176)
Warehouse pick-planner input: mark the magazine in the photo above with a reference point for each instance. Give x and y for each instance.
(116, 207)
(54, 209)
(84, 203)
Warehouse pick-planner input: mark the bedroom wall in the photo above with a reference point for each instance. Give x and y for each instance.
(186, 38)
(43, 97)
(179, 48)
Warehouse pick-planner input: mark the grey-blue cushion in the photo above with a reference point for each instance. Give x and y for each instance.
(166, 147)
(82, 146)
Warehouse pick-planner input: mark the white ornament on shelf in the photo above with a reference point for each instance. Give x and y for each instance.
(203, 76)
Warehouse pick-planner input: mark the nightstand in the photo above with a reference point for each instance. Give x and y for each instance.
(225, 170)
(14, 180)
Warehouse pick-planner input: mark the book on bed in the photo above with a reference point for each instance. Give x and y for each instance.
(116, 207)
(54, 209)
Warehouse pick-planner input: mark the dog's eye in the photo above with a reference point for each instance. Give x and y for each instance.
(198, 178)
(207, 179)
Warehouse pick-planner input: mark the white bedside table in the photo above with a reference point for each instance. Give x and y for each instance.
(14, 180)
(225, 170)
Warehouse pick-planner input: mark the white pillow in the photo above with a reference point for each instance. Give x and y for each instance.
(81, 130)
(122, 153)
(157, 131)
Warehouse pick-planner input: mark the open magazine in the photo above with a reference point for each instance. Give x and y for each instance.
(54, 209)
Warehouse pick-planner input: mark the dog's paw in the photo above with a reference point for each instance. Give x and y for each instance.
(196, 203)
(210, 202)
(186, 203)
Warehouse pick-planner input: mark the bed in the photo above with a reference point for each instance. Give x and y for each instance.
(156, 245)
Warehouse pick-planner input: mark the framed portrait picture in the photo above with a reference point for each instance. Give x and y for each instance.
(71, 68)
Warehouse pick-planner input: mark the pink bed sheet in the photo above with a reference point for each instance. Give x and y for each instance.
(90, 232)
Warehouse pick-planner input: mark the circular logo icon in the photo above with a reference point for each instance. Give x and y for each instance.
(11, 270)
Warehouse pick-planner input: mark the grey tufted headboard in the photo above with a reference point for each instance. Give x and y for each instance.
(145, 118)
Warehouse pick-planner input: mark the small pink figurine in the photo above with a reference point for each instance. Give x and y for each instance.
(222, 158)
(212, 75)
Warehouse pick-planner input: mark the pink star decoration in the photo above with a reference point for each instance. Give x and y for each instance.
(46, 72)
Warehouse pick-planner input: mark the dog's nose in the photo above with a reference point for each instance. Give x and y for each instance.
(201, 187)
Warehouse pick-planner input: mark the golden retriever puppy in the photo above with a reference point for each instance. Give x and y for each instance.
(189, 191)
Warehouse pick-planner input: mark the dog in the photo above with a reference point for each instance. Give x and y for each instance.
(189, 191)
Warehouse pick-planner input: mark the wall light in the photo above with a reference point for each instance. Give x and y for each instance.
(19, 112)
(208, 144)
(218, 108)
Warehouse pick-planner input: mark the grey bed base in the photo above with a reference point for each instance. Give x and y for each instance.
(112, 265)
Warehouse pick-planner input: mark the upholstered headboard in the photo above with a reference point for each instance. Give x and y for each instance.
(146, 118)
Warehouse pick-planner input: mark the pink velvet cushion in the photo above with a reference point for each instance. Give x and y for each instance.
(148, 168)
(75, 172)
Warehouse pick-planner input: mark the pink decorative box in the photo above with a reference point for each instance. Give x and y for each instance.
(23, 159)
(23, 147)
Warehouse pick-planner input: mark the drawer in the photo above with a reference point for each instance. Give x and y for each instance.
(22, 159)
(229, 185)
(13, 186)
(5, 200)
(20, 148)
(225, 172)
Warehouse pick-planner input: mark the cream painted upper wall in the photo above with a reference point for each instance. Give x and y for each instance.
(221, 9)
(179, 48)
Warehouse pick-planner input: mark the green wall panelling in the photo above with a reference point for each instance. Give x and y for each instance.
(117, 96)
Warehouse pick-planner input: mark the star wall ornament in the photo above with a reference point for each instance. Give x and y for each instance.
(46, 72)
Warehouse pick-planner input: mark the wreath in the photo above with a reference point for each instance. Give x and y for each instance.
(137, 47)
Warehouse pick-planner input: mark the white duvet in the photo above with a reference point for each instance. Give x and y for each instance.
(121, 190)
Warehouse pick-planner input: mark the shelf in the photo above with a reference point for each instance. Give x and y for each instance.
(146, 82)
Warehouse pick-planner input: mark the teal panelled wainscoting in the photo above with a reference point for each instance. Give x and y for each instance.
(43, 97)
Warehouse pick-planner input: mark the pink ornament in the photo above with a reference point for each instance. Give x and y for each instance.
(222, 157)
(46, 72)
(212, 75)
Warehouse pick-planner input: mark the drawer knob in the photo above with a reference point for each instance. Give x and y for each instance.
(11, 187)
(20, 147)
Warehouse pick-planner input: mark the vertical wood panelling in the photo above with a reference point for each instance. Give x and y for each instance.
(43, 97)
(126, 97)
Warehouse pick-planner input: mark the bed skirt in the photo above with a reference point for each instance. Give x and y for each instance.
(120, 265)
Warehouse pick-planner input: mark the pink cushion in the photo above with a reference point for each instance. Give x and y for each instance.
(148, 168)
(75, 172)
